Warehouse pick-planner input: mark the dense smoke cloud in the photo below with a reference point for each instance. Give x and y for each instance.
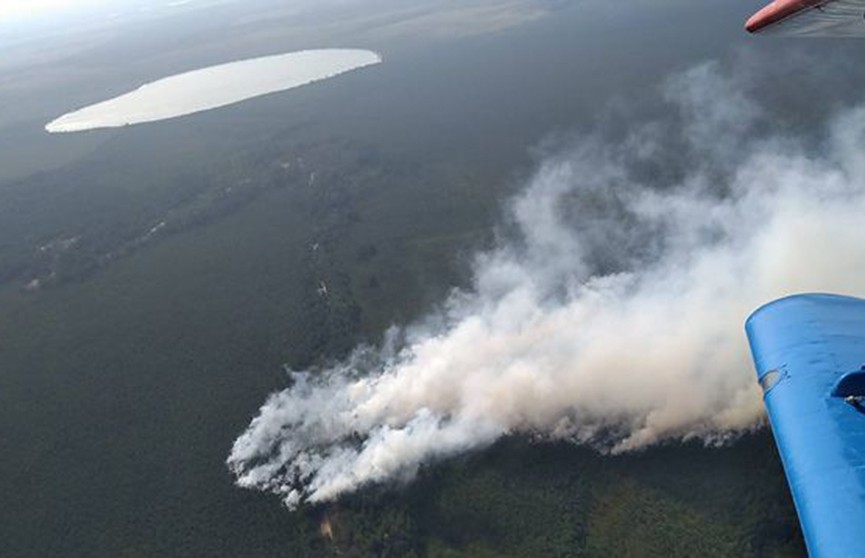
(611, 314)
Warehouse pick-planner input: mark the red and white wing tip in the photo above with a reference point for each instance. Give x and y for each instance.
(778, 11)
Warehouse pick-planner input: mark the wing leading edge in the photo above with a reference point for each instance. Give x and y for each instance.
(809, 352)
(810, 18)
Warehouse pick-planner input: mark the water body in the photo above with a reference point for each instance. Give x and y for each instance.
(214, 87)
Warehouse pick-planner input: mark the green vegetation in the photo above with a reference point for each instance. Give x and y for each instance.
(144, 349)
(523, 499)
(126, 384)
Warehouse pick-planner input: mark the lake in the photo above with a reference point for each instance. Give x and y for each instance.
(214, 87)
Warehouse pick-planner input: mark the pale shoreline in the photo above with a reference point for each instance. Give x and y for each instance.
(214, 87)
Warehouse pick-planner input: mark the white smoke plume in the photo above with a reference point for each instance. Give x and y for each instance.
(613, 313)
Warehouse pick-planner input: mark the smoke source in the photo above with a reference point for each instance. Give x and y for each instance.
(611, 316)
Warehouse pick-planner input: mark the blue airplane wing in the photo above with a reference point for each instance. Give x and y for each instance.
(809, 352)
